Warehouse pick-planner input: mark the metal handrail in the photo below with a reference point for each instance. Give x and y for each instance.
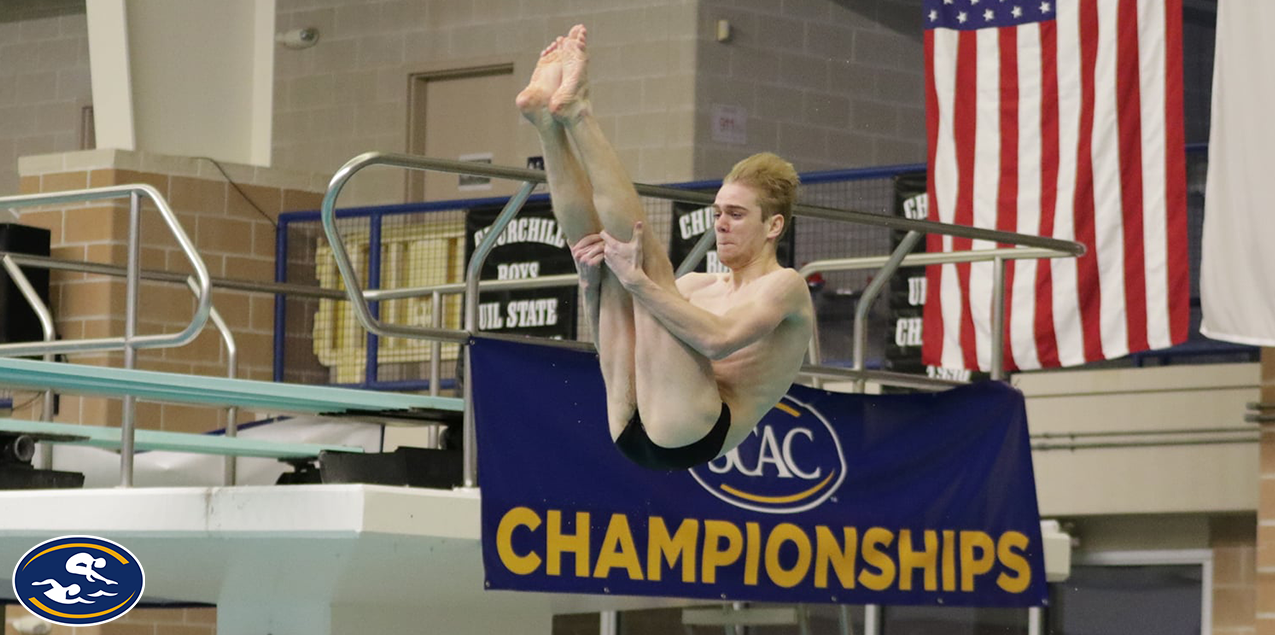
(1107, 445)
(309, 291)
(231, 462)
(41, 310)
(161, 340)
(130, 342)
(922, 259)
(1167, 432)
(301, 290)
(688, 196)
(359, 298)
(529, 179)
(814, 369)
(887, 265)
(46, 328)
(565, 280)
(542, 282)
(82, 266)
(353, 288)
(883, 377)
(870, 295)
(469, 438)
(888, 378)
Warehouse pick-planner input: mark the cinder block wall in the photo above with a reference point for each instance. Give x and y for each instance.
(826, 85)
(44, 82)
(234, 240)
(349, 94)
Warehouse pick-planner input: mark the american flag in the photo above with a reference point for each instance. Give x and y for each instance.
(1060, 119)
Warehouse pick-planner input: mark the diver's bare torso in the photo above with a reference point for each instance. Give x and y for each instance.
(753, 379)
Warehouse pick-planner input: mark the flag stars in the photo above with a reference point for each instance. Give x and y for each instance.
(1044, 7)
(973, 1)
(988, 15)
(1016, 12)
(962, 17)
(947, 1)
(934, 15)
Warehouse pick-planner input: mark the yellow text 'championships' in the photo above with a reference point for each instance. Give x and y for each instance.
(876, 558)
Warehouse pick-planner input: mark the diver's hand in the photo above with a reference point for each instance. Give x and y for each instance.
(624, 259)
(588, 256)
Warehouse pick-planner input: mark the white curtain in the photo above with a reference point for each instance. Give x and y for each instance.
(1237, 275)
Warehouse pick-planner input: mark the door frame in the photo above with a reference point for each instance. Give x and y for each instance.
(417, 87)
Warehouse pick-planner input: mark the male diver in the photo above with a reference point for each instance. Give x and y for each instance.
(690, 364)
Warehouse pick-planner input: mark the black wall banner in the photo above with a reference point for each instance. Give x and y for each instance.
(689, 224)
(907, 290)
(531, 246)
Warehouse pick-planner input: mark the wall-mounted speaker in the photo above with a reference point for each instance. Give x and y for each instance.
(18, 321)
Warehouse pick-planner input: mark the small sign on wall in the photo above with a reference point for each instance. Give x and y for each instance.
(730, 124)
(471, 182)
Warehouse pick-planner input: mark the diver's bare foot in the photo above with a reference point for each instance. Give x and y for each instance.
(571, 100)
(533, 101)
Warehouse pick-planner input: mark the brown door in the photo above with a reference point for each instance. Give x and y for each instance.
(468, 115)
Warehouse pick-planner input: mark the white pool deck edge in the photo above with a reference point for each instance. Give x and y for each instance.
(300, 559)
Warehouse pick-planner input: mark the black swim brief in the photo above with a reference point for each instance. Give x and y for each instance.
(634, 443)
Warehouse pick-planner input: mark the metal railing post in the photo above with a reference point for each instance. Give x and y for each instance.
(870, 296)
(998, 319)
(230, 468)
(872, 619)
(469, 445)
(131, 289)
(474, 270)
(1035, 621)
(435, 346)
(845, 621)
(692, 259)
(48, 332)
(608, 623)
(373, 348)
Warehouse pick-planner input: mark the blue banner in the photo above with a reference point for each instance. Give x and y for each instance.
(894, 499)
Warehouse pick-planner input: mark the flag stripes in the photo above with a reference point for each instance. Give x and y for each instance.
(1066, 126)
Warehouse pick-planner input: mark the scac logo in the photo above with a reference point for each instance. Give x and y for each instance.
(78, 580)
(792, 462)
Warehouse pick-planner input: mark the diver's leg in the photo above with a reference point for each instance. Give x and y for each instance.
(676, 390)
(607, 307)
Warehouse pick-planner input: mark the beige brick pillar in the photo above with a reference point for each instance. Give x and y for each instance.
(1266, 507)
(1234, 543)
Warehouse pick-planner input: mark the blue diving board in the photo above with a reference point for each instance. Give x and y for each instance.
(222, 391)
(104, 437)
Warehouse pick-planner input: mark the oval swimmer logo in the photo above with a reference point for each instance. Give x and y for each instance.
(78, 580)
(790, 463)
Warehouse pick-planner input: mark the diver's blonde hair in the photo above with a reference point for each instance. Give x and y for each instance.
(774, 180)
